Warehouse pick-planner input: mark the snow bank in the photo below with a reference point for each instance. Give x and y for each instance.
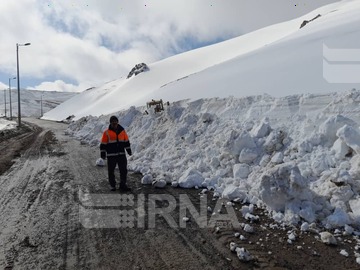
(302, 165)
(6, 124)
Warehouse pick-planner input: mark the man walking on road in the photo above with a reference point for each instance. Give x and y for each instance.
(114, 142)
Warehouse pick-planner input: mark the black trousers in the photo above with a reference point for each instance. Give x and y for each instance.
(121, 161)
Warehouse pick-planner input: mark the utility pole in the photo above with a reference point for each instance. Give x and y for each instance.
(5, 101)
(10, 105)
(41, 111)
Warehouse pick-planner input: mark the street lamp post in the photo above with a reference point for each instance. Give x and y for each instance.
(10, 96)
(18, 79)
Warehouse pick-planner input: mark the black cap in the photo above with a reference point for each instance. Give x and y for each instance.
(114, 118)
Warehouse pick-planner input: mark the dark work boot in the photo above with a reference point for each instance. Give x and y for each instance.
(124, 188)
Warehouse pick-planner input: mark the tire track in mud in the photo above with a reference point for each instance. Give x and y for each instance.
(199, 243)
(165, 247)
(33, 201)
(193, 244)
(16, 200)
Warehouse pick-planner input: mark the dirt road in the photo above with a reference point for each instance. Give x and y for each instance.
(57, 213)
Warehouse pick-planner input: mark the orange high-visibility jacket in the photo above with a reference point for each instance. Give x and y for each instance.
(115, 142)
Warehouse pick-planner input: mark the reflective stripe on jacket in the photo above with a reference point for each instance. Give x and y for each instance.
(115, 142)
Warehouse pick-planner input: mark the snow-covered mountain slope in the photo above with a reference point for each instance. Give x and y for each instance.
(279, 60)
